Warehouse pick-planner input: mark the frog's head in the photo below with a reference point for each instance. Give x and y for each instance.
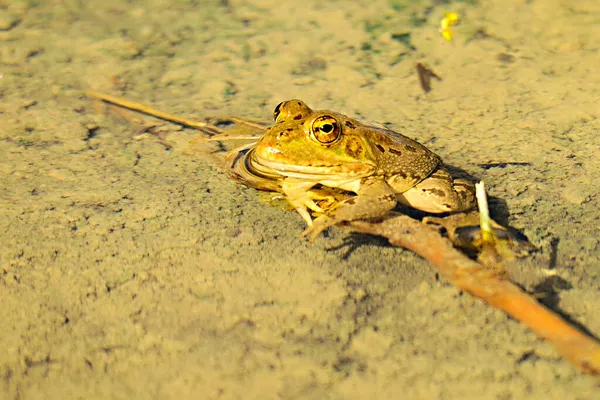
(308, 143)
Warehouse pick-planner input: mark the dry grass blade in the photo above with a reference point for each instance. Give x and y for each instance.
(490, 285)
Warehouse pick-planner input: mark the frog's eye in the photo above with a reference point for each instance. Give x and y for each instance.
(277, 111)
(326, 129)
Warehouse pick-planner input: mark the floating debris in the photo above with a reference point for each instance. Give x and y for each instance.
(425, 75)
(450, 19)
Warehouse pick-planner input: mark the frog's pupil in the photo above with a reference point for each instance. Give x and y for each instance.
(327, 128)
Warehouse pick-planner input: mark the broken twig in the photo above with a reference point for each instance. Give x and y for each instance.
(489, 284)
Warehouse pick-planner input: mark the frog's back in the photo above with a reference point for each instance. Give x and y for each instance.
(402, 161)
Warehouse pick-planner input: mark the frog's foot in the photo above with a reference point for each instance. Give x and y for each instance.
(308, 201)
(465, 232)
(317, 226)
(374, 199)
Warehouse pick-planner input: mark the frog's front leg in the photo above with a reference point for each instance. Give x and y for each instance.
(301, 196)
(439, 193)
(374, 199)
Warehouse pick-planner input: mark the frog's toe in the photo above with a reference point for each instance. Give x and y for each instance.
(305, 215)
(313, 206)
(319, 225)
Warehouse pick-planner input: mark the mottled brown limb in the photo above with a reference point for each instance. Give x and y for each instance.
(489, 284)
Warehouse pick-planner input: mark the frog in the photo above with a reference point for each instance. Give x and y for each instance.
(307, 155)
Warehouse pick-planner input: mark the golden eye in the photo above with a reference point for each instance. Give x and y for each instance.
(277, 111)
(326, 129)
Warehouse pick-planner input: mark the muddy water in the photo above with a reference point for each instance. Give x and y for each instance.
(132, 269)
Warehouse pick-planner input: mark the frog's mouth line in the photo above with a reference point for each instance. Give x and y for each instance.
(309, 172)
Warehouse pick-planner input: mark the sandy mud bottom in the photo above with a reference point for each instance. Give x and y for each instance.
(131, 269)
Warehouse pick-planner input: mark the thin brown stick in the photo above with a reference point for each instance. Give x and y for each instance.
(203, 126)
(151, 111)
(226, 138)
(241, 121)
(490, 286)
